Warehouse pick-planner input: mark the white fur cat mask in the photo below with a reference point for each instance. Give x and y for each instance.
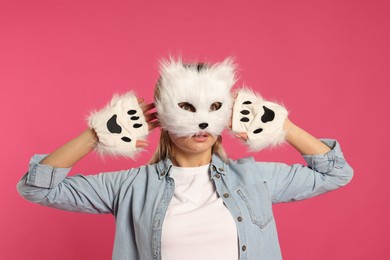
(195, 98)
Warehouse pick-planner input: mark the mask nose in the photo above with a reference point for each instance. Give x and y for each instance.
(203, 125)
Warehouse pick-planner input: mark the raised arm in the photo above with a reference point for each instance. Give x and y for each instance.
(73, 151)
(301, 140)
(46, 181)
(327, 168)
(261, 123)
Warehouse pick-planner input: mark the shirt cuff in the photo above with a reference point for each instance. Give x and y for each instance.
(44, 176)
(325, 163)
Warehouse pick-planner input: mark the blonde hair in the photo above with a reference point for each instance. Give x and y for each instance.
(164, 147)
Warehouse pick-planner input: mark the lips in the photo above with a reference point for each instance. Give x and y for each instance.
(200, 136)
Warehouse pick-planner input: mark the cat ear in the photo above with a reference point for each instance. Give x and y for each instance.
(171, 68)
(226, 71)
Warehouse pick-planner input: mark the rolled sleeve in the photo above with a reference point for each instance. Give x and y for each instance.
(50, 186)
(44, 176)
(324, 172)
(326, 163)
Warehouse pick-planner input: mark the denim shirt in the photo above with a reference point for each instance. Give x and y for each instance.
(139, 198)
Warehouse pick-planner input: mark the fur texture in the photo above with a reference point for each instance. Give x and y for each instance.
(201, 86)
(261, 120)
(119, 125)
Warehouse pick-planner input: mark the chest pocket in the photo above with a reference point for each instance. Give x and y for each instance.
(258, 203)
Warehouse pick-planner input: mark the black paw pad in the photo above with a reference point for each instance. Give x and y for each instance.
(126, 139)
(258, 130)
(113, 126)
(134, 117)
(268, 115)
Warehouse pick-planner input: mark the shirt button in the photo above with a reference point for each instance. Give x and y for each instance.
(239, 219)
(214, 168)
(218, 175)
(226, 195)
(243, 248)
(220, 169)
(162, 173)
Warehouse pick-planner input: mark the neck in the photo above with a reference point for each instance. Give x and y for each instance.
(190, 160)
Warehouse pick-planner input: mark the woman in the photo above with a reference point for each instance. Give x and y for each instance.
(191, 201)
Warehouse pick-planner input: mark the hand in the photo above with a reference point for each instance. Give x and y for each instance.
(242, 135)
(120, 124)
(257, 121)
(151, 119)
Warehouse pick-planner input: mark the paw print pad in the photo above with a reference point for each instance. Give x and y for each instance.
(268, 115)
(119, 125)
(114, 128)
(259, 119)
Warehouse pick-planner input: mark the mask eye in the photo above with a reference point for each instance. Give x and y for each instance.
(187, 106)
(215, 106)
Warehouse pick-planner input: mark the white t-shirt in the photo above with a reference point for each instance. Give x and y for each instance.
(197, 224)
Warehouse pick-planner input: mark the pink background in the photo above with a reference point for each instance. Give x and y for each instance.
(327, 61)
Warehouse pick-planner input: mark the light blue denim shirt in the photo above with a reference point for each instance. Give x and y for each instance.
(139, 198)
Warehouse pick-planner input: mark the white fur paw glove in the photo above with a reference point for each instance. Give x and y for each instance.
(261, 120)
(119, 125)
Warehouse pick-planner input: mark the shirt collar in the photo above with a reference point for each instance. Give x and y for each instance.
(163, 167)
(217, 166)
